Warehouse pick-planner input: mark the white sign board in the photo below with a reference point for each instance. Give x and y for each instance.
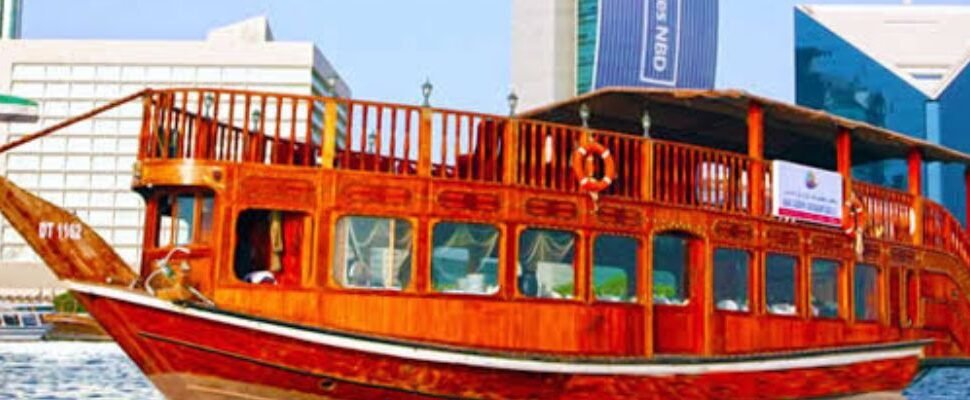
(805, 193)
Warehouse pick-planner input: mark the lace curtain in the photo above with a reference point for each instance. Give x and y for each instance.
(546, 263)
(465, 258)
(377, 252)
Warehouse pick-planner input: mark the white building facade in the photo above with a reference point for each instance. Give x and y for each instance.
(87, 167)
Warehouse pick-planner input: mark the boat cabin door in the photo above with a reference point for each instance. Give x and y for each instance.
(678, 293)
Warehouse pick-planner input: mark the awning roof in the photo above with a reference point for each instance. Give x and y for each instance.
(17, 109)
(718, 119)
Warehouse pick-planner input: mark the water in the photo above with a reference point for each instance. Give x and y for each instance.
(944, 383)
(70, 370)
(76, 370)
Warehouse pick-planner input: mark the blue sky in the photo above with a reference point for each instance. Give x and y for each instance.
(386, 48)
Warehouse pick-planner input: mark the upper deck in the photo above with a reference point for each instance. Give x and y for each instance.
(661, 167)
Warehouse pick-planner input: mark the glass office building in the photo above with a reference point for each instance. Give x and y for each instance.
(901, 67)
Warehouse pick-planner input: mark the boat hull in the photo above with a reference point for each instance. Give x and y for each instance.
(23, 334)
(197, 353)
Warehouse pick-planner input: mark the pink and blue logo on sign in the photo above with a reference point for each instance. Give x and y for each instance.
(811, 181)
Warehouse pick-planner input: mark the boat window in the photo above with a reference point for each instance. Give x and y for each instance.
(615, 268)
(866, 292)
(731, 279)
(180, 229)
(186, 218)
(546, 265)
(825, 288)
(205, 216)
(780, 272)
(30, 320)
(373, 252)
(465, 258)
(670, 257)
(11, 320)
(269, 246)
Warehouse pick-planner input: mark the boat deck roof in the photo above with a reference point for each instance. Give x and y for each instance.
(718, 118)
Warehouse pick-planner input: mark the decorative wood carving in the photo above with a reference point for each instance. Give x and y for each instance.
(264, 189)
(470, 201)
(374, 194)
(550, 208)
(783, 239)
(733, 231)
(871, 252)
(902, 255)
(829, 245)
(623, 216)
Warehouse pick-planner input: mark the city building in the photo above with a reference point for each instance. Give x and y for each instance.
(10, 14)
(563, 48)
(87, 167)
(903, 67)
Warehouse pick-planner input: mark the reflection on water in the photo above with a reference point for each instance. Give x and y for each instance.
(75, 370)
(70, 370)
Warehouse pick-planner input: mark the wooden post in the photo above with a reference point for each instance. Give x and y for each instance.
(328, 143)
(646, 183)
(147, 124)
(424, 143)
(843, 157)
(510, 151)
(915, 164)
(756, 149)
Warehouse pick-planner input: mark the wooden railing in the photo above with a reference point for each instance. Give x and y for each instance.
(890, 213)
(700, 177)
(285, 129)
(943, 232)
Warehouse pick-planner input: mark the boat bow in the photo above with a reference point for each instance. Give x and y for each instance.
(69, 247)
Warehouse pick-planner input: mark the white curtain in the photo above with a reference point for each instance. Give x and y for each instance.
(378, 252)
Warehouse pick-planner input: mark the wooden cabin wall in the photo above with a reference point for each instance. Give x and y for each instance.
(508, 321)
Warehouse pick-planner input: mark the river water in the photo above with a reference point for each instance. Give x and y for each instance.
(77, 370)
(70, 370)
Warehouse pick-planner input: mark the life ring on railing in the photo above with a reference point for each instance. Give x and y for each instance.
(857, 216)
(585, 171)
(856, 226)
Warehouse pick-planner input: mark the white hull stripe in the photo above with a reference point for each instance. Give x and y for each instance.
(493, 362)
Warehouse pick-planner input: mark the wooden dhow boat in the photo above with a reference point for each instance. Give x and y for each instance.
(715, 247)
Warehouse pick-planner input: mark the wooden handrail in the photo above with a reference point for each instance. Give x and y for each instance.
(71, 121)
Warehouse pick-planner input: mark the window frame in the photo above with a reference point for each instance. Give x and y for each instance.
(878, 293)
(839, 288)
(578, 266)
(637, 268)
(330, 281)
(749, 279)
(306, 267)
(688, 283)
(154, 212)
(799, 292)
(499, 270)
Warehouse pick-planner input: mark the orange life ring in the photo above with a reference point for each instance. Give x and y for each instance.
(857, 216)
(584, 171)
